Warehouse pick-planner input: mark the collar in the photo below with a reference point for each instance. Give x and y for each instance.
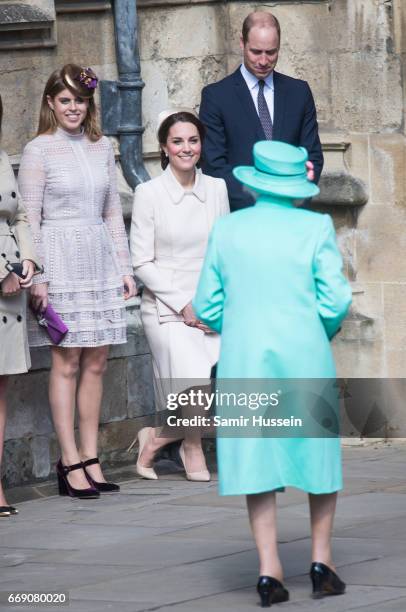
(265, 200)
(64, 134)
(177, 192)
(252, 80)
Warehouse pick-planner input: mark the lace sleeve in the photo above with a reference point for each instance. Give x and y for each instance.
(113, 217)
(31, 184)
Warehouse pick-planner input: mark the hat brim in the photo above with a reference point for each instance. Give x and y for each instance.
(275, 185)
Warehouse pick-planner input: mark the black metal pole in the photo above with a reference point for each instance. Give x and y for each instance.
(122, 100)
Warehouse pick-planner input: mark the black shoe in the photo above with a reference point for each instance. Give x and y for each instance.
(102, 487)
(325, 581)
(8, 510)
(65, 487)
(271, 591)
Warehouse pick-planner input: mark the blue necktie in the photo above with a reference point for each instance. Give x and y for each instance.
(263, 111)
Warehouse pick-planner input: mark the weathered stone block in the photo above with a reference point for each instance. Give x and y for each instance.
(361, 340)
(17, 462)
(55, 451)
(20, 120)
(296, 64)
(359, 358)
(27, 24)
(159, 32)
(352, 110)
(140, 386)
(27, 11)
(368, 309)
(79, 34)
(335, 145)
(358, 327)
(394, 295)
(115, 438)
(388, 162)
(28, 412)
(40, 358)
(114, 404)
(357, 159)
(360, 25)
(341, 189)
(40, 456)
(346, 244)
(380, 244)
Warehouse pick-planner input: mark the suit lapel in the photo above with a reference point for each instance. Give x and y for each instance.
(279, 106)
(247, 103)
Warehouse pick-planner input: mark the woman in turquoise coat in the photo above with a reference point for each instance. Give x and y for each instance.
(272, 285)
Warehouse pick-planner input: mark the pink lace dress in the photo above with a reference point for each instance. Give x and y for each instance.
(68, 185)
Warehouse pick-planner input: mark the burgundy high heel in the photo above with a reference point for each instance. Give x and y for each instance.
(102, 487)
(65, 488)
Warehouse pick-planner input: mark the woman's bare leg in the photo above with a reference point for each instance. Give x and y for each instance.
(262, 515)
(194, 455)
(157, 440)
(3, 413)
(322, 510)
(62, 392)
(192, 444)
(93, 365)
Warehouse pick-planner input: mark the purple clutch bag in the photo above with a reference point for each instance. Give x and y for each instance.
(52, 323)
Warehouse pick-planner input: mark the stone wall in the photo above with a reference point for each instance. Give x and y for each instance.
(351, 53)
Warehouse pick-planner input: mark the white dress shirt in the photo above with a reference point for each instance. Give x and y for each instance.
(252, 84)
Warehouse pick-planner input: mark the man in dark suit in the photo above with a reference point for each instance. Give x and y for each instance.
(256, 103)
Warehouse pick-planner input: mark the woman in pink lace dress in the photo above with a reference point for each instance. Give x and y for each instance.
(67, 181)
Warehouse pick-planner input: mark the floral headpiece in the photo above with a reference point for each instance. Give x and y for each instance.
(87, 78)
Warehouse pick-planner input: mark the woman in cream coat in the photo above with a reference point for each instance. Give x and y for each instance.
(172, 218)
(15, 247)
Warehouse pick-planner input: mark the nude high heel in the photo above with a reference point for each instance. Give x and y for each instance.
(202, 476)
(145, 472)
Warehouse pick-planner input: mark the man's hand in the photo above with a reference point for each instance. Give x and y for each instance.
(310, 171)
(10, 285)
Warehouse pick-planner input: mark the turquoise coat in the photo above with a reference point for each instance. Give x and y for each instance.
(272, 286)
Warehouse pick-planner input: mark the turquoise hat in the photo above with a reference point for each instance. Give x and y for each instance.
(279, 169)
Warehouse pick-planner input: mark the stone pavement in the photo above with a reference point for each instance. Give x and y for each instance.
(175, 546)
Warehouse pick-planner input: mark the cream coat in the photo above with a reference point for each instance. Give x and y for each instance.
(15, 245)
(169, 234)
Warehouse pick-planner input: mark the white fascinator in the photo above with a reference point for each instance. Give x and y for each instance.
(172, 111)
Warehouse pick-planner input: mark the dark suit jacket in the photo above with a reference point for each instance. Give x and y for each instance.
(233, 127)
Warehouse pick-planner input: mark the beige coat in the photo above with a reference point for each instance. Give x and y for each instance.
(169, 234)
(15, 245)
